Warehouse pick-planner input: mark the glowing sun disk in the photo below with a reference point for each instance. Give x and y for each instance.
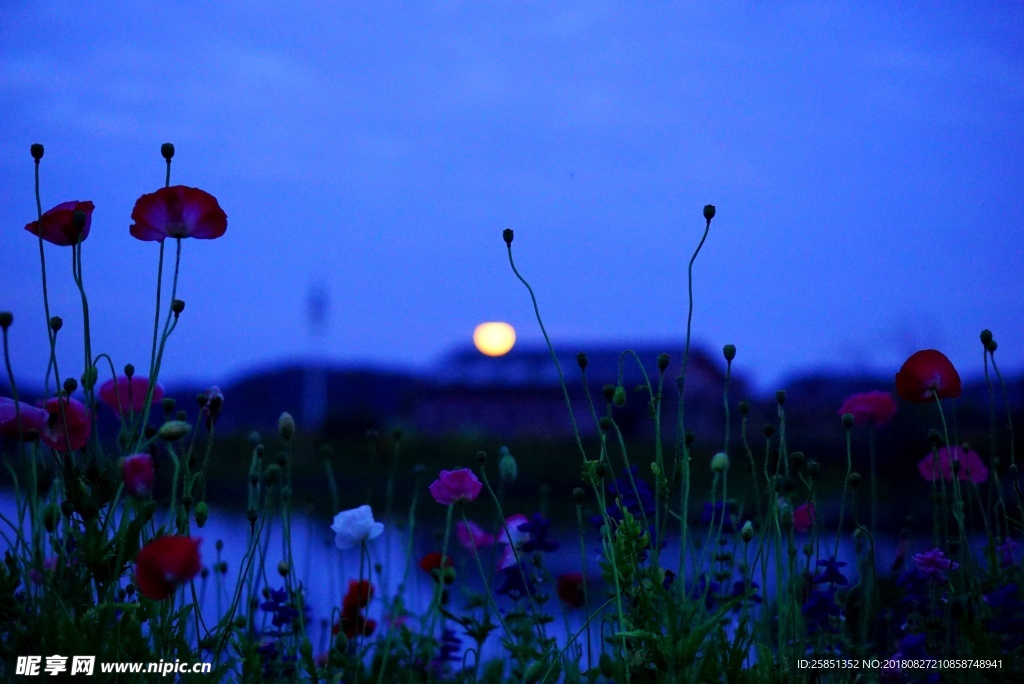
(494, 339)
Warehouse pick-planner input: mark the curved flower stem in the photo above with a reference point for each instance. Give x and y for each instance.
(558, 367)
(846, 482)
(682, 450)
(50, 334)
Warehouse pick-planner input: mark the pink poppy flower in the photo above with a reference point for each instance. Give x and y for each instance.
(32, 418)
(926, 375)
(452, 486)
(178, 212)
(68, 436)
(58, 224)
(126, 395)
(138, 475)
(869, 408)
(803, 517)
(934, 563)
(164, 563)
(472, 536)
(971, 466)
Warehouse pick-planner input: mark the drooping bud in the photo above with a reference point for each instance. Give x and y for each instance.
(786, 519)
(619, 397)
(202, 513)
(129, 370)
(51, 516)
(283, 568)
(168, 404)
(481, 457)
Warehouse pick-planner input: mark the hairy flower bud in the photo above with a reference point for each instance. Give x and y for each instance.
(507, 466)
(719, 462)
(286, 426)
(174, 430)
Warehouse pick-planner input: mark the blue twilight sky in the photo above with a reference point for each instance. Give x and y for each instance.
(866, 159)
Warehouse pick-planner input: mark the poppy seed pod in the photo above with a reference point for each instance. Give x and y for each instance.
(854, 480)
(780, 397)
(37, 151)
(167, 151)
(729, 352)
(481, 457)
(709, 212)
(847, 420)
(663, 360)
(177, 306)
(986, 337)
(6, 318)
(507, 236)
(581, 360)
(56, 323)
(744, 407)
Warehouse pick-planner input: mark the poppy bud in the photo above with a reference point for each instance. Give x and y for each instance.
(619, 397)
(747, 533)
(202, 513)
(67, 508)
(177, 306)
(168, 404)
(70, 385)
(769, 430)
(991, 346)
(186, 501)
(167, 151)
(719, 463)
(729, 351)
(37, 151)
(605, 423)
(174, 430)
(507, 466)
(286, 426)
(481, 457)
(709, 212)
(663, 360)
(56, 323)
(986, 337)
(847, 420)
(780, 397)
(251, 516)
(796, 460)
(581, 360)
(507, 236)
(283, 568)
(6, 318)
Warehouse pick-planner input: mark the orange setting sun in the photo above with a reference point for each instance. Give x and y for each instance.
(494, 339)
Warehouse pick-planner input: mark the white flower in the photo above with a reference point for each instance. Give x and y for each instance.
(353, 527)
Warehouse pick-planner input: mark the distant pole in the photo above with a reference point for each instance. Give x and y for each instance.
(314, 386)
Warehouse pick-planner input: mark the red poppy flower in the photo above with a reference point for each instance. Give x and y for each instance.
(803, 517)
(358, 596)
(138, 474)
(70, 434)
(432, 561)
(32, 418)
(126, 395)
(971, 466)
(869, 408)
(178, 212)
(926, 375)
(570, 589)
(59, 226)
(164, 563)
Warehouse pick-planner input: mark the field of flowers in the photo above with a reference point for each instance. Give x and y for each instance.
(753, 587)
